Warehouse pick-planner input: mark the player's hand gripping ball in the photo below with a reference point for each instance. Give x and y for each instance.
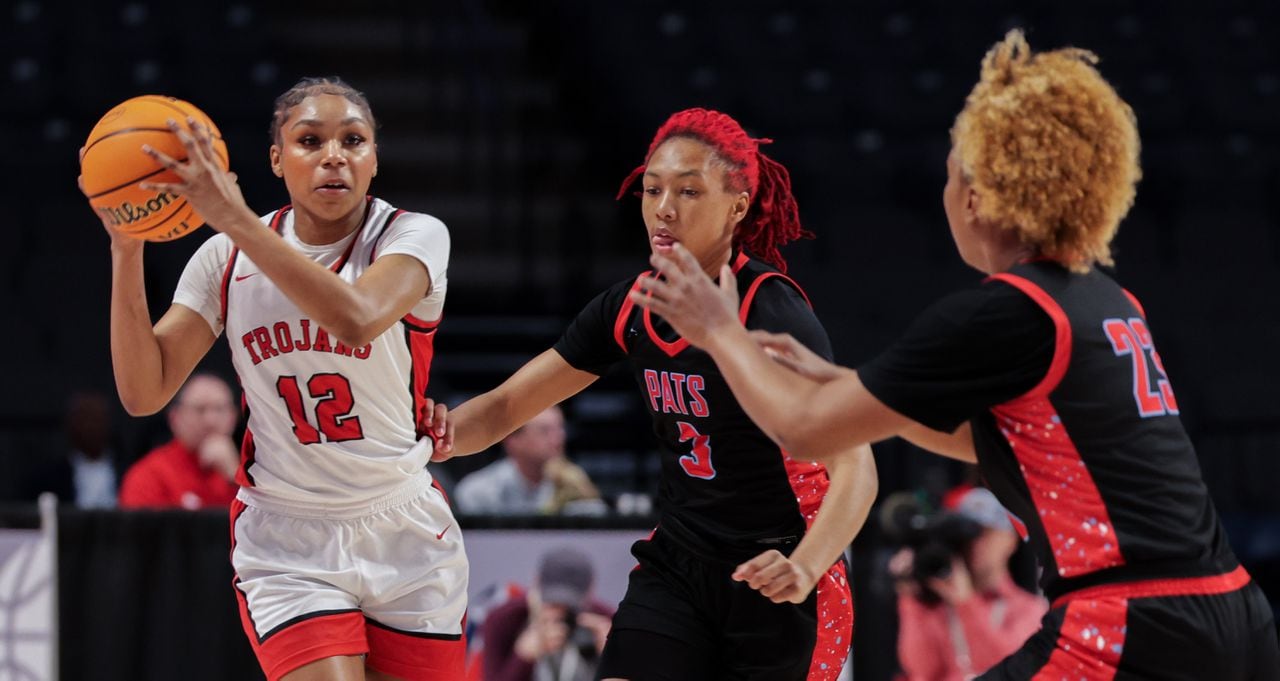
(113, 164)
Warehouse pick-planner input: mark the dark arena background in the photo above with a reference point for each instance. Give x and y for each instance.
(514, 122)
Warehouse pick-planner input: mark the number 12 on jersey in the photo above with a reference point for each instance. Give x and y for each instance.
(1131, 337)
(333, 408)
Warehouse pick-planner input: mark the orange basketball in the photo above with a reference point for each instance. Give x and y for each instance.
(114, 164)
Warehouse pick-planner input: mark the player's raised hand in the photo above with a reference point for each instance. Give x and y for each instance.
(776, 577)
(433, 422)
(792, 354)
(687, 298)
(211, 191)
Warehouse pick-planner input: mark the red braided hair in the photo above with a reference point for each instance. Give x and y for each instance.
(773, 218)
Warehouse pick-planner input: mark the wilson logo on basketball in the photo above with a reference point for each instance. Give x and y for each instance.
(128, 212)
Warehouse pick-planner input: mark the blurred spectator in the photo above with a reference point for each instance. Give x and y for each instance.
(85, 473)
(197, 468)
(533, 477)
(554, 633)
(957, 622)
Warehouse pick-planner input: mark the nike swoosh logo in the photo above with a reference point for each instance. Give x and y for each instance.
(242, 278)
(446, 529)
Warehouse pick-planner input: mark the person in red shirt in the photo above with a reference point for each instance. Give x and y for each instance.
(983, 616)
(197, 468)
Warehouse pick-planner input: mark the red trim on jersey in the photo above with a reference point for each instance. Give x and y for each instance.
(751, 293)
(225, 288)
(436, 484)
(740, 261)
(1062, 327)
(646, 539)
(247, 448)
(1067, 500)
(277, 220)
(277, 225)
(620, 323)
(408, 656)
(1155, 588)
(1018, 526)
(835, 625)
(373, 252)
(421, 342)
(670, 348)
(422, 324)
(1134, 299)
(673, 348)
(351, 247)
(1089, 643)
(809, 483)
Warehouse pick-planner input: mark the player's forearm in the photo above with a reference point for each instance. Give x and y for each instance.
(136, 359)
(780, 401)
(543, 381)
(481, 422)
(808, 419)
(320, 293)
(844, 511)
(957, 445)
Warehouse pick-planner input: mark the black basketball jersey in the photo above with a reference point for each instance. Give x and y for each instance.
(727, 490)
(1095, 458)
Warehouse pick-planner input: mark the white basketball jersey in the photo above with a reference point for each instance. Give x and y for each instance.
(330, 425)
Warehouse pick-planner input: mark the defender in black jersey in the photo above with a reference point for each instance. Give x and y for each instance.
(1046, 375)
(738, 514)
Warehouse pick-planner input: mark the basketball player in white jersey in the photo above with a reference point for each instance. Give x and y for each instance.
(348, 562)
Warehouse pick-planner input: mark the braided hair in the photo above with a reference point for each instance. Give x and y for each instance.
(773, 218)
(307, 87)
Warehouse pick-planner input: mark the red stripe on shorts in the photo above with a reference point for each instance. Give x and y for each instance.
(835, 625)
(421, 657)
(1154, 588)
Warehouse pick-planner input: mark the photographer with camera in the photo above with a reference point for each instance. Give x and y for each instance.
(556, 632)
(959, 610)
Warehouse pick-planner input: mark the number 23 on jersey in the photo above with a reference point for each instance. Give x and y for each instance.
(1131, 337)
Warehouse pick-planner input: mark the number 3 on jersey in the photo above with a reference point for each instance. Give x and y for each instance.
(697, 463)
(1132, 338)
(333, 408)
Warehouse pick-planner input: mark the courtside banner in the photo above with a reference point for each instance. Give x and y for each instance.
(28, 601)
(500, 558)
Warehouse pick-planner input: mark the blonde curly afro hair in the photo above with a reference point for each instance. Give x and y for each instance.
(1052, 150)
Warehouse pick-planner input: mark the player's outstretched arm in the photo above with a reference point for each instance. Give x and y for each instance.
(355, 314)
(957, 445)
(853, 489)
(791, 353)
(483, 420)
(784, 349)
(806, 417)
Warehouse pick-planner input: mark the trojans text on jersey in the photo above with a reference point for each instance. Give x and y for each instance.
(282, 338)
